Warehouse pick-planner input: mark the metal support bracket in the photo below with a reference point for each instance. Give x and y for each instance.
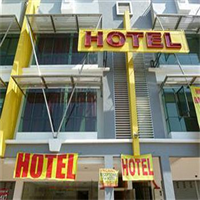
(4, 37)
(39, 72)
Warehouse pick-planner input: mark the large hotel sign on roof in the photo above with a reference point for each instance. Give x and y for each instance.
(132, 41)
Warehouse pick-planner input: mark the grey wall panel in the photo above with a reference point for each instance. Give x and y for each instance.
(157, 117)
(116, 149)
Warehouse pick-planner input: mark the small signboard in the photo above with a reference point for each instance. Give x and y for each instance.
(108, 178)
(137, 168)
(4, 193)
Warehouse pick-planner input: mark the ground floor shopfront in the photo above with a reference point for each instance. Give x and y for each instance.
(177, 175)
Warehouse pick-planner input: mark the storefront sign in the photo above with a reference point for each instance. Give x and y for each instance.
(196, 99)
(46, 166)
(132, 41)
(3, 194)
(137, 168)
(108, 178)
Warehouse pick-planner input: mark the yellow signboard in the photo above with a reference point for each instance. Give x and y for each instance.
(132, 41)
(196, 99)
(46, 166)
(137, 168)
(108, 178)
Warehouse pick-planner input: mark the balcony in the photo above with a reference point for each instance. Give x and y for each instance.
(190, 59)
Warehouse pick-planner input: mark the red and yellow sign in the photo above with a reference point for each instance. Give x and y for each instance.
(132, 41)
(46, 166)
(4, 193)
(108, 178)
(196, 99)
(137, 168)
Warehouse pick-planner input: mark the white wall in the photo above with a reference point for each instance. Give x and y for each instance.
(185, 168)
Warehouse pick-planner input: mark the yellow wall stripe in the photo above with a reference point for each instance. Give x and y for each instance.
(13, 96)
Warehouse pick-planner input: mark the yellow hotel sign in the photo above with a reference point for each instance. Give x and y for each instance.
(132, 41)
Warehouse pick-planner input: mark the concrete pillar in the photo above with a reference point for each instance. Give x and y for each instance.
(167, 178)
(101, 194)
(109, 192)
(18, 190)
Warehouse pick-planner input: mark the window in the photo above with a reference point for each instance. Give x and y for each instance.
(8, 49)
(7, 190)
(123, 6)
(179, 109)
(81, 115)
(192, 58)
(2, 97)
(61, 49)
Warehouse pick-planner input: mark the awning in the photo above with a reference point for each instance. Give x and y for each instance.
(56, 81)
(5, 22)
(2, 84)
(188, 23)
(181, 80)
(62, 23)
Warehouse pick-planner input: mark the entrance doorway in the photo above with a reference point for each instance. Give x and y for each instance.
(60, 190)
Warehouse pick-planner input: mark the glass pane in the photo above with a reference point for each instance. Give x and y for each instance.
(192, 58)
(2, 97)
(7, 190)
(8, 49)
(191, 124)
(172, 110)
(185, 190)
(61, 49)
(81, 114)
(60, 190)
(182, 102)
(174, 123)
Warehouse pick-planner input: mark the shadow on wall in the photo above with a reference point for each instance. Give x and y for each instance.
(117, 17)
(50, 7)
(137, 20)
(194, 1)
(144, 21)
(165, 7)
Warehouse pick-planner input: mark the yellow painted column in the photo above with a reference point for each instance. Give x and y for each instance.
(132, 93)
(13, 97)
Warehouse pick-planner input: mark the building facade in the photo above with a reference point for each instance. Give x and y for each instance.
(54, 99)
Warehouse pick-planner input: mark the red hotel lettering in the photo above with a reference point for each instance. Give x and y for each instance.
(36, 165)
(168, 42)
(22, 164)
(135, 37)
(70, 175)
(60, 166)
(120, 41)
(49, 165)
(149, 167)
(137, 160)
(89, 39)
(154, 40)
(144, 166)
(196, 99)
(125, 166)
(132, 167)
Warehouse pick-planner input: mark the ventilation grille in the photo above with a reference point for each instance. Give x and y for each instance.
(142, 99)
(122, 114)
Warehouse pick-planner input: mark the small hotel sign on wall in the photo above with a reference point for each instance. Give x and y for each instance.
(132, 41)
